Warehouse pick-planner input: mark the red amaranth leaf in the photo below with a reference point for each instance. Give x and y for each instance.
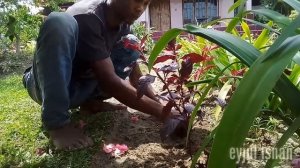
(164, 58)
(167, 68)
(169, 96)
(172, 80)
(178, 46)
(195, 58)
(143, 83)
(171, 45)
(186, 69)
(210, 48)
(239, 72)
(201, 71)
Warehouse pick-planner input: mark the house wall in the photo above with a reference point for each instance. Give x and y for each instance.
(176, 13)
(224, 5)
(249, 5)
(145, 18)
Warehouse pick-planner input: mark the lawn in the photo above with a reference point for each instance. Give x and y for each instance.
(23, 140)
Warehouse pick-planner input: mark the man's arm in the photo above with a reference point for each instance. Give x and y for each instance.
(123, 91)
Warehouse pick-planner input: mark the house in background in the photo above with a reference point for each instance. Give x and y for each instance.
(165, 14)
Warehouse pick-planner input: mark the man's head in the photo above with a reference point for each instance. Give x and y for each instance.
(129, 10)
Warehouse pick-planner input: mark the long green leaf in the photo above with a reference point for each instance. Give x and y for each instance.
(238, 17)
(294, 4)
(287, 32)
(287, 134)
(263, 38)
(236, 5)
(247, 100)
(289, 93)
(262, 25)
(285, 88)
(232, 24)
(295, 75)
(276, 17)
(246, 29)
(296, 58)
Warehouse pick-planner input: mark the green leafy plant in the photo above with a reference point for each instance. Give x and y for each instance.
(264, 75)
(174, 72)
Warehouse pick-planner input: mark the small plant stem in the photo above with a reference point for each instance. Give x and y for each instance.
(182, 95)
(169, 91)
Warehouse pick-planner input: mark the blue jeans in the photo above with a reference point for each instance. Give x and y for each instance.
(49, 82)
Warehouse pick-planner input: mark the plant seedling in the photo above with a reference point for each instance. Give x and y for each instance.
(174, 72)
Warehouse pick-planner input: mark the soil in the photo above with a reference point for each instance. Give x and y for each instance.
(145, 146)
(147, 150)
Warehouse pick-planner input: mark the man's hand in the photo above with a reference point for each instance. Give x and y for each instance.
(134, 77)
(123, 91)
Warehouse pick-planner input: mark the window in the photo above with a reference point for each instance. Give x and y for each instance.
(197, 11)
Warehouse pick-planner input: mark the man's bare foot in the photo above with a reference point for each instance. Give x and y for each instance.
(69, 137)
(95, 106)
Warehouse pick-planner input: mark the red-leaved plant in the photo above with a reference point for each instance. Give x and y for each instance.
(174, 72)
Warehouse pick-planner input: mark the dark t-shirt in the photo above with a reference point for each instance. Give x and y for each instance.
(95, 39)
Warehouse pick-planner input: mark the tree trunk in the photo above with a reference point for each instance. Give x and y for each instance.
(18, 45)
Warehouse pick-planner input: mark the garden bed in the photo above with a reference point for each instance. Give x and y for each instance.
(147, 150)
(145, 146)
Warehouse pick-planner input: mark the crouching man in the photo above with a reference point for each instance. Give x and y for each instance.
(80, 61)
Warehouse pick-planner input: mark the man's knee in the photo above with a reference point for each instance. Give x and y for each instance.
(61, 23)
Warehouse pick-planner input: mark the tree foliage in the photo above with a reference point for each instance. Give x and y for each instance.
(53, 5)
(18, 23)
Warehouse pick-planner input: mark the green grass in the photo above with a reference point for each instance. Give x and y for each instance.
(22, 134)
